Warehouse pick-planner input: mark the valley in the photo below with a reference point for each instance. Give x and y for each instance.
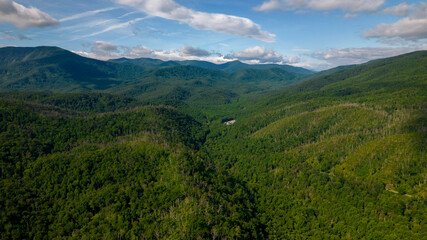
(141, 149)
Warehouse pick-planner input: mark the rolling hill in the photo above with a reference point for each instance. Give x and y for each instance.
(335, 152)
(338, 155)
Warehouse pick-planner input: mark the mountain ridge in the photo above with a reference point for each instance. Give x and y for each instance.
(58, 70)
(340, 155)
(232, 66)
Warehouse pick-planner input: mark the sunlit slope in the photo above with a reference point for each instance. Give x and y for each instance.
(341, 156)
(386, 82)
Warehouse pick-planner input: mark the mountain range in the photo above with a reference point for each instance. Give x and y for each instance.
(128, 149)
(57, 70)
(228, 67)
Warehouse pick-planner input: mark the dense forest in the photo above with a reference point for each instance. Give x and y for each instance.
(142, 152)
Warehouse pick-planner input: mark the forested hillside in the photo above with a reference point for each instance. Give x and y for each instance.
(57, 70)
(338, 155)
(115, 175)
(341, 156)
(228, 67)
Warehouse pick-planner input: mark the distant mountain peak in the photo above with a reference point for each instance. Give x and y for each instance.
(231, 66)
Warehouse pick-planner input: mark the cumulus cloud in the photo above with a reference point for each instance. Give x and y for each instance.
(105, 50)
(171, 10)
(192, 51)
(100, 50)
(258, 54)
(401, 10)
(348, 56)
(409, 28)
(322, 5)
(105, 46)
(139, 52)
(254, 55)
(23, 17)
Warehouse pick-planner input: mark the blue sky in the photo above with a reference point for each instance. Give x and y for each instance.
(316, 34)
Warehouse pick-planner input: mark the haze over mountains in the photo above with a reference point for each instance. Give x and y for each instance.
(129, 149)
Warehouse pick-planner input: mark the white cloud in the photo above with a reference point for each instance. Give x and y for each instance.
(128, 14)
(313, 65)
(112, 27)
(255, 55)
(401, 10)
(171, 10)
(23, 17)
(139, 52)
(104, 51)
(86, 14)
(319, 60)
(192, 51)
(291, 60)
(81, 27)
(259, 54)
(100, 50)
(117, 26)
(322, 5)
(409, 28)
(348, 56)
(105, 46)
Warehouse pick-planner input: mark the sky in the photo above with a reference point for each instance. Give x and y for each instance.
(315, 34)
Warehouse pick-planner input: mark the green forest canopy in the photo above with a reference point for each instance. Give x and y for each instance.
(341, 155)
